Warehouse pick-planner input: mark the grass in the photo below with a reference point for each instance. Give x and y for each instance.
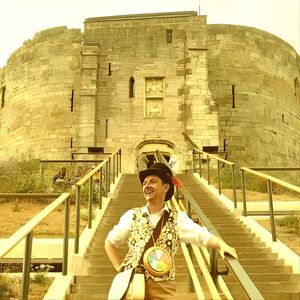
(21, 177)
(252, 182)
(290, 222)
(10, 287)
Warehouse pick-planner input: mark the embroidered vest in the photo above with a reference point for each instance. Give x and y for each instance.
(141, 231)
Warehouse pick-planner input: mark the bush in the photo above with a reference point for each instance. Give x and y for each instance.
(21, 177)
(8, 287)
(40, 277)
(292, 222)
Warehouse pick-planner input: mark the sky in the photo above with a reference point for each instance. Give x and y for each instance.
(21, 19)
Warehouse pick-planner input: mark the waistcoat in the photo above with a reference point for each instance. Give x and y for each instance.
(141, 231)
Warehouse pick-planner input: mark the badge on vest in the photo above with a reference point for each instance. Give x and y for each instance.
(157, 261)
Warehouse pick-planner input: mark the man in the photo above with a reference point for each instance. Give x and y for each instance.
(136, 227)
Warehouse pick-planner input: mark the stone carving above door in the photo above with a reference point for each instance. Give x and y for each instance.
(154, 97)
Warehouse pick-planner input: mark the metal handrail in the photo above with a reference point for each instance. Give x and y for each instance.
(269, 179)
(29, 195)
(26, 232)
(203, 267)
(232, 263)
(238, 271)
(199, 153)
(202, 264)
(112, 169)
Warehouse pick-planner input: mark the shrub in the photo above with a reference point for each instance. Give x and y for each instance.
(292, 222)
(21, 177)
(8, 287)
(40, 277)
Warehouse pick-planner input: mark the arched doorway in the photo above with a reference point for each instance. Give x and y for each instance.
(149, 148)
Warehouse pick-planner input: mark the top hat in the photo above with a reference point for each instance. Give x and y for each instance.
(163, 172)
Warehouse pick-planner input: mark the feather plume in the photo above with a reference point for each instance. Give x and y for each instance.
(176, 181)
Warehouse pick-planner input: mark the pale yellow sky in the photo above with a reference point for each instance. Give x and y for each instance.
(21, 19)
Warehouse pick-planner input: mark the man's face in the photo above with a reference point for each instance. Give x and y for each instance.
(154, 188)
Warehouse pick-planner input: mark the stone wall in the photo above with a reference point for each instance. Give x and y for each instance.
(137, 47)
(36, 120)
(252, 76)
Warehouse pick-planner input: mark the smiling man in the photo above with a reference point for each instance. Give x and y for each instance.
(137, 226)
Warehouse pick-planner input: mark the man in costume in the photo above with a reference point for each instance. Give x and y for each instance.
(137, 226)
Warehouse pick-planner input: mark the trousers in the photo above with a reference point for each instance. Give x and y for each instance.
(159, 290)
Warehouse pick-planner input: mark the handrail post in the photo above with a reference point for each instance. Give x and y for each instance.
(234, 186)
(26, 267)
(200, 164)
(90, 205)
(77, 222)
(109, 174)
(213, 266)
(244, 193)
(66, 237)
(219, 177)
(208, 172)
(191, 286)
(120, 160)
(100, 188)
(105, 177)
(188, 208)
(113, 169)
(117, 164)
(188, 212)
(271, 209)
(193, 161)
(42, 171)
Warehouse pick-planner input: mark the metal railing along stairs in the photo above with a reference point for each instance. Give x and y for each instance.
(109, 169)
(246, 283)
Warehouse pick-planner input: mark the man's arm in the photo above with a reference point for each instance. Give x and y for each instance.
(113, 256)
(216, 243)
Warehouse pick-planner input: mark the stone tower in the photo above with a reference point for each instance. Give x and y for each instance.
(142, 82)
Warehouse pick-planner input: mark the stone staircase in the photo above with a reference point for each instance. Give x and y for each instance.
(274, 280)
(270, 275)
(96, 284)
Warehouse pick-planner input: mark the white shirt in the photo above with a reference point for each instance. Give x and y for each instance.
(189, 231)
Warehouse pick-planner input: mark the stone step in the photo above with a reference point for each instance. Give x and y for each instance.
(109, 270)
(271, 287)
(179, 296)
(261, 264)
(95, 288)
(230, 234)
(239, 245)
(241, 230)
(268, 269)
(251, 254)
(245, 243)
(270, 277)
(281, 296)
(107, 279)
(86, 296)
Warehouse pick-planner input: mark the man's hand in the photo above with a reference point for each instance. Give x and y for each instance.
(124, 262)
(226, 249)
(216, 243)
